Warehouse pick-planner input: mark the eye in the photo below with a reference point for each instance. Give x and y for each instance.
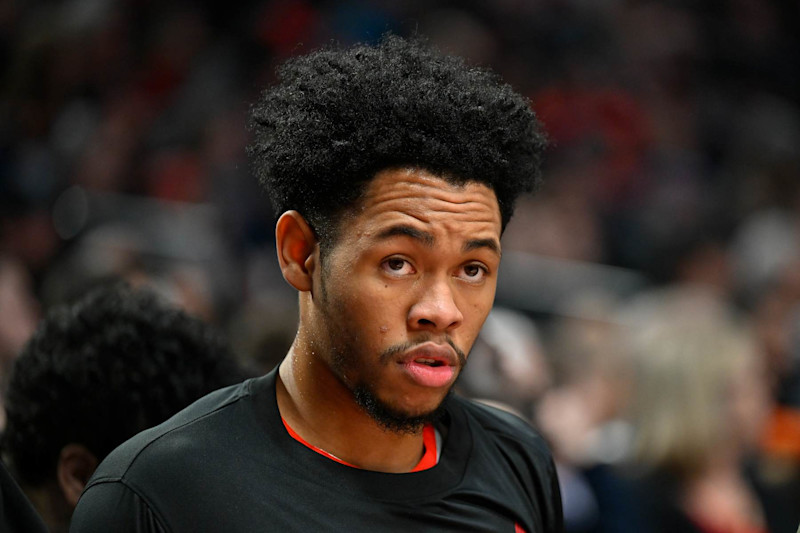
(397, 266)
(473, 272)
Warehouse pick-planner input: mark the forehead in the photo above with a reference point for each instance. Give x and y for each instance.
(416, 195)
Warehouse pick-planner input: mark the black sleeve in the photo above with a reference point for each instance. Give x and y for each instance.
(555, 511)
(113, 506)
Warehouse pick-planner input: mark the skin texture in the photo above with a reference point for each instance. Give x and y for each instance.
(412, 275)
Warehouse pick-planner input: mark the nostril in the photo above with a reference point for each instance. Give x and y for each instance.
(425, 322)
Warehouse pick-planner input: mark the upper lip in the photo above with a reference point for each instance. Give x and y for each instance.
(443, 354)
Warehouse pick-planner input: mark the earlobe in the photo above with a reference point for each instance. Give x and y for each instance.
(76, 464)
(296, 245)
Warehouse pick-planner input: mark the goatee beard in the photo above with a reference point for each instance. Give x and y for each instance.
(391, 419)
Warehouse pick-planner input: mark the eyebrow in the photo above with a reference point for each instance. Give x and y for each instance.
(401, 229)
(428, 239)
(491, 244)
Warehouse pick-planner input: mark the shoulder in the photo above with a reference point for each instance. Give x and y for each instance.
(509, 455)
(168, 440)
(501, 426)
(114, 506)
(504, 442)
(151, 478)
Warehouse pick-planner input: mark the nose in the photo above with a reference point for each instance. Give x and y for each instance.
(435, 310)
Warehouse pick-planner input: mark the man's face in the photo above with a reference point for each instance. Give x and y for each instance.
(405, 290)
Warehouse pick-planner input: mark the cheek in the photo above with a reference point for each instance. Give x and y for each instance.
(378, 316)
(385, 307)
(386, 326)
(473, 321)
(477, 309)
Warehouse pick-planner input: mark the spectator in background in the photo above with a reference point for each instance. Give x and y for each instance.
(776, 317)
(507, 364)
(17, 515)
(583, 416)
(19, 314)
(700, 404)
(94, 374)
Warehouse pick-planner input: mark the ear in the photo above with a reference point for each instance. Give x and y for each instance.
(76, 464)
(296, 244)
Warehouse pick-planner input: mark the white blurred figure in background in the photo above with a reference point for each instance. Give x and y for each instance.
(507, 364)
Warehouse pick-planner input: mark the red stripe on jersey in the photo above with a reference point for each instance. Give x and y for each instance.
(301, 440)
(428, 441)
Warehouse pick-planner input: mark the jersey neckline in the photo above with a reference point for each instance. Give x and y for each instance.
(428, 459)
(456, 446)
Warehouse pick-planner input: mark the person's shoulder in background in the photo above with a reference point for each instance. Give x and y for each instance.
(17, 514)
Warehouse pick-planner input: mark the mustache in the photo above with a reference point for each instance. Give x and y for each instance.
(392, 351)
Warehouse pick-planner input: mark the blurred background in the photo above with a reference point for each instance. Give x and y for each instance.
(671, 202)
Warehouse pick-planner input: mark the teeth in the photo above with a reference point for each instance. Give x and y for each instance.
(426, 361)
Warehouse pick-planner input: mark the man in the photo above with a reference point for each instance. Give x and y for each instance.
(394, 170)
(94, 374)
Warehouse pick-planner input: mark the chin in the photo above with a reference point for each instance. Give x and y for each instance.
(395, 418)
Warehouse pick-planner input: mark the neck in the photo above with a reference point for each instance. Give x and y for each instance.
(323, 411)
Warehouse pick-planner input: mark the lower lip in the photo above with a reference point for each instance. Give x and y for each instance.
(429, 376)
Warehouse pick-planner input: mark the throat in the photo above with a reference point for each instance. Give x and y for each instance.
(344, 432)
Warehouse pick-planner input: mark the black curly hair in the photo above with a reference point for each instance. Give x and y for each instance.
(95, 373)
(338, 116)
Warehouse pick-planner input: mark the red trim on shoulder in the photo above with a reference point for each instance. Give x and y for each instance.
(518, 528)
(428, 440)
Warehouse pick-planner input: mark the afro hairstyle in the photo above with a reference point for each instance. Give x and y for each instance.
(338, 116)
(99, 371)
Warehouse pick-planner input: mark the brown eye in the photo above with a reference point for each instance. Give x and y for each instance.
(396, 264)
(473, 272)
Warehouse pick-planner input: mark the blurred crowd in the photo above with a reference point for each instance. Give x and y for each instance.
(648, 316)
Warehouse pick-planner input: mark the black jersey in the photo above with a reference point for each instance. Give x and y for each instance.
(227, 464)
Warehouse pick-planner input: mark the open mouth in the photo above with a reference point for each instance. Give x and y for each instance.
(429, 362)
(430, 372)
(430, 365)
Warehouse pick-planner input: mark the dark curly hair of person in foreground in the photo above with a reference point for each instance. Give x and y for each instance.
(97, 372)
(336, 118)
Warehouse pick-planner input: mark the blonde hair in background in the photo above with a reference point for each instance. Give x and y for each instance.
(688, 371)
